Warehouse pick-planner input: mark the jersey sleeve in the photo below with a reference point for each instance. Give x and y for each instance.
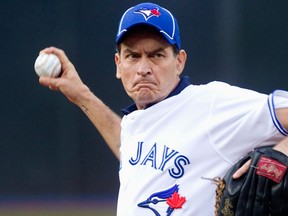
(243, 119)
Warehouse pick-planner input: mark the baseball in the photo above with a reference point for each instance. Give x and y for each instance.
(47, 65)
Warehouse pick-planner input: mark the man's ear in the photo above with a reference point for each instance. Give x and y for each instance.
(117, 62)
(181, 61)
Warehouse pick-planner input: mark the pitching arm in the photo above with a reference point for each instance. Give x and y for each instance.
(69, 83)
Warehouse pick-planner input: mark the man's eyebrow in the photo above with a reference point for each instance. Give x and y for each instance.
(130, 50)
(157, 50)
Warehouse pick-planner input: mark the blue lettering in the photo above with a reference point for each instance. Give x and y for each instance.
(138, 156)
(166, 157)
(179, 162)
(151, 156)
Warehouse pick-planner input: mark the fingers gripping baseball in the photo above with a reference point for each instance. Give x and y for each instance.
(59, 53)
(68, 70)
(69, 82)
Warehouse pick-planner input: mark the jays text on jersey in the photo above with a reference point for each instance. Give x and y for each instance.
(168, 148)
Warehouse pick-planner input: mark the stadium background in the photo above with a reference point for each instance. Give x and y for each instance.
(50, 154)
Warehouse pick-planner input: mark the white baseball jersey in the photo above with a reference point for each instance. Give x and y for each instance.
(168, 148)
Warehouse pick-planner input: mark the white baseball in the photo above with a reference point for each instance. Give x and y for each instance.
(47, 65)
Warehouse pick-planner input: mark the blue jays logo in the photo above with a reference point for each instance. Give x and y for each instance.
(148, 13)
(159, 200)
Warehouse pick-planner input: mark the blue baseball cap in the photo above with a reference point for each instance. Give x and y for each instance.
(152, 15)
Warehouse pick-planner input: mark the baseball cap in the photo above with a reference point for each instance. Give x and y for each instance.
(152, 15)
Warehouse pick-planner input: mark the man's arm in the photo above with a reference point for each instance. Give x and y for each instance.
(69, 83)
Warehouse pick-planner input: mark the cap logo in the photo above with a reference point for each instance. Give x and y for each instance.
(148, 13)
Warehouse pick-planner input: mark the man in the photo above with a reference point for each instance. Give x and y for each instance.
(175, 135)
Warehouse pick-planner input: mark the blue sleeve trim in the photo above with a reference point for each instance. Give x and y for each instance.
(275, 120)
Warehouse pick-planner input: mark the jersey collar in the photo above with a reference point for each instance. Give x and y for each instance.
(184, 82)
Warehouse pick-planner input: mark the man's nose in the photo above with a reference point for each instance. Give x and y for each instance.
(144, 67)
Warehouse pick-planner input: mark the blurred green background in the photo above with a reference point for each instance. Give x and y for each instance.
(50, 154)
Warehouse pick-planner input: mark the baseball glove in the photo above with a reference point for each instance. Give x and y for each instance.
(262, 191)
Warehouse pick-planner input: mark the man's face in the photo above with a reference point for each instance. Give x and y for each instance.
(148, 67)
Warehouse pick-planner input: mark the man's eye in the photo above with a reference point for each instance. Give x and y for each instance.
(132, 56)
(157, 55)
